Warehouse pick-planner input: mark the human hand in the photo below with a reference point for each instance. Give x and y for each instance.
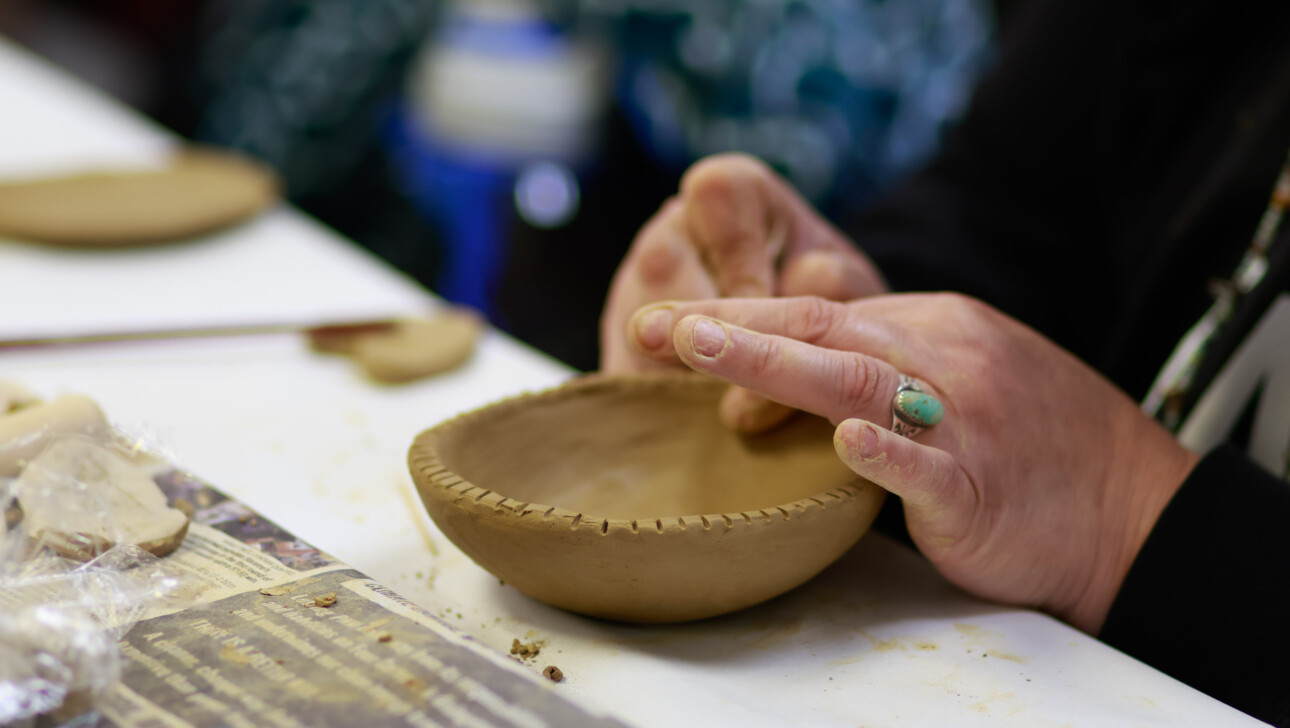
(735, 230)
(1037, 488)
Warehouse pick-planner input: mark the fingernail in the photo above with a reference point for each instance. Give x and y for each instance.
(869, 442)
(654, 328)
(860, 438)
(709, 338)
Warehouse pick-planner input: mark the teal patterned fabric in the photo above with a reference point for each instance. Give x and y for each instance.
(843, 97)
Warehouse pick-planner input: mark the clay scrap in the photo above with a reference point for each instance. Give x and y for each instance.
(81, 498)
(200, 191)
(26, 431)
(408, 349)
(525, 650)
(14, 396)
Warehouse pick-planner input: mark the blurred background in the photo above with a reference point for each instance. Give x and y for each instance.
(504, 152)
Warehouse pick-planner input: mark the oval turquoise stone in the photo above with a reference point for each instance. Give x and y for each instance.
(919, 409)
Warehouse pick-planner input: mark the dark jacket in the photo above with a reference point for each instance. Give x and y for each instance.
(1117, 159)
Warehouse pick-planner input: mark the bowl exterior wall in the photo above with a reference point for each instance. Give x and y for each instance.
(666, 570)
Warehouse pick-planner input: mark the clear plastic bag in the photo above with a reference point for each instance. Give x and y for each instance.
(69, 591)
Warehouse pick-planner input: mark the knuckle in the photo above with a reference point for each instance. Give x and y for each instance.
(763, 360)
(657, 260)
(721, 171)
(815, 318)
(962, 305)
(654, 252)
(832, 283)
(708, 181)
(859, 380)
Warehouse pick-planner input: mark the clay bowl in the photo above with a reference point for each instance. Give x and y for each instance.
(625, 498)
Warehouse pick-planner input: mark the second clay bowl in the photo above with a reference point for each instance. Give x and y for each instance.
(625, 498)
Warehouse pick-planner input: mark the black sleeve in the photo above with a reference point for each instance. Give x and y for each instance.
(1207, 599)
(1014, 208)
(1114, 161)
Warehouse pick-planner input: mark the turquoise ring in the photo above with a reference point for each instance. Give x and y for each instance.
(912, 409)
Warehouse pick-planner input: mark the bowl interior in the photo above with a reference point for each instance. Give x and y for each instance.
(640, 451)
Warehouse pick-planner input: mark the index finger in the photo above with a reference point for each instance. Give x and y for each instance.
(835, 384)
(841, 326)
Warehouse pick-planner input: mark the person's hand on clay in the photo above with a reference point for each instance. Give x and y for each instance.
(736, 229)
(1040, 481)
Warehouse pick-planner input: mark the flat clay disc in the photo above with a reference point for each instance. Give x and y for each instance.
(410, 349)
(200, 192)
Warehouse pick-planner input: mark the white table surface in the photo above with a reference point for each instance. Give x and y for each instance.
(879, 639)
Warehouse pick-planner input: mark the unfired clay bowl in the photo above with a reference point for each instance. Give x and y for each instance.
(625, 498)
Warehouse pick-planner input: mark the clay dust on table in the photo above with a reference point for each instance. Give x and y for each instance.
(525, 650)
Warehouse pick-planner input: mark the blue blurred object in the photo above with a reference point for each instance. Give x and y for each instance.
(468, 203)
(500, 110)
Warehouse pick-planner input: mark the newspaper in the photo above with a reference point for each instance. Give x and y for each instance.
(281, 634)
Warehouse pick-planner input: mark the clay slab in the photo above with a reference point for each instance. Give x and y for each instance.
(199, 192)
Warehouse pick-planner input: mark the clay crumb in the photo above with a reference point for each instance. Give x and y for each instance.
(385, 637)
(526, 650)
(553, 673)
(325, 600)
(275, 591)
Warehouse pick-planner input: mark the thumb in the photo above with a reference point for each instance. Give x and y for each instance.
(939, 500)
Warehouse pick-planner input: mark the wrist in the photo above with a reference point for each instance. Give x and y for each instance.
(1157, 466)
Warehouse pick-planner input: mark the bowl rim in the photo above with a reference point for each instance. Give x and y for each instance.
(430, 473)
